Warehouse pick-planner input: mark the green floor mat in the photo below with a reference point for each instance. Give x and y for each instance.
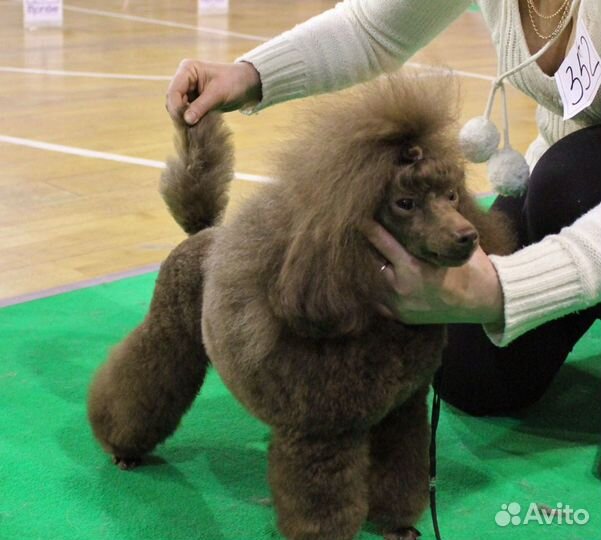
(208, 481)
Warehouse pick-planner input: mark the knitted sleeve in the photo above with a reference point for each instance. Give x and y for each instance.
(353, 42)
(560, 274)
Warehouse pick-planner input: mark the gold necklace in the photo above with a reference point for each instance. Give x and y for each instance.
(533, 7)
(564, 10)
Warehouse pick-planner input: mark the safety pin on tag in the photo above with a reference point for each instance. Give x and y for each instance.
(579, 76)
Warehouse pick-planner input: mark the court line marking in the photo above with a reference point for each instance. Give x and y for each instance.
(108, 156)
(85, 284)
(136, 77)
(89, 74)
(121, 158)
(252, 37)
(163, 22)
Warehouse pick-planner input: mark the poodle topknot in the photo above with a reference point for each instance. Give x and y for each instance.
(281, 302)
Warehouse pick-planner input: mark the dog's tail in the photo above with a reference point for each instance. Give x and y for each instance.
(195, 183)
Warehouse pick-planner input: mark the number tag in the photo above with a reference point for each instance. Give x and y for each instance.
(579, 76)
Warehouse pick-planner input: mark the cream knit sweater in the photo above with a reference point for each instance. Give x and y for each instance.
(358, 39)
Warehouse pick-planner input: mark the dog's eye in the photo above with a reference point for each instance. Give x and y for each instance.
(453, 196)
(406, 204)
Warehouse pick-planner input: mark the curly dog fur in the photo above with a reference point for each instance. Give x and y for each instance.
(281, 301)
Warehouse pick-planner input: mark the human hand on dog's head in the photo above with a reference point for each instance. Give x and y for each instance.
(200, 87)
(422, 293)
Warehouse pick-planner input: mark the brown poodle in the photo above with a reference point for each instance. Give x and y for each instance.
(282, 302)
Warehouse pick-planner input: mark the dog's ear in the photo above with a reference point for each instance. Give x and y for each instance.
(494, 228)
(325, 289)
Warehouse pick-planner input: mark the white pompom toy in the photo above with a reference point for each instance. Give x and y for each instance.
(508, 172)
(479, 139)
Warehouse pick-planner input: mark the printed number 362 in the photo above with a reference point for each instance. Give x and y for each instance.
(587, 70)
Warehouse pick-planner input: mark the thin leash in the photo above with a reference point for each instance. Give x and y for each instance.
(433, 429)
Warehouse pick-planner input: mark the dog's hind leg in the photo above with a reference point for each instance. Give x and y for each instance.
(319, 485)
(398, 477)
(139, 396)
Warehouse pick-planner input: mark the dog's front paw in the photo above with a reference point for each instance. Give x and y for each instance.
(126, 463)
(409, 533)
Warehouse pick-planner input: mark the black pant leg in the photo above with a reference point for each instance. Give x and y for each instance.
(482, 379)
(564, 185)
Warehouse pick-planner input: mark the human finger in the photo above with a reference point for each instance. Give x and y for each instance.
(384, 242)
(205, 102)
(384, 311)
(184, 82)
(387, 270)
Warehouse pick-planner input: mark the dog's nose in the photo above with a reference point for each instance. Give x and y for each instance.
(466, 237)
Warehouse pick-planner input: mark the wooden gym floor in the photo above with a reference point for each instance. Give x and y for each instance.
(84, 132)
